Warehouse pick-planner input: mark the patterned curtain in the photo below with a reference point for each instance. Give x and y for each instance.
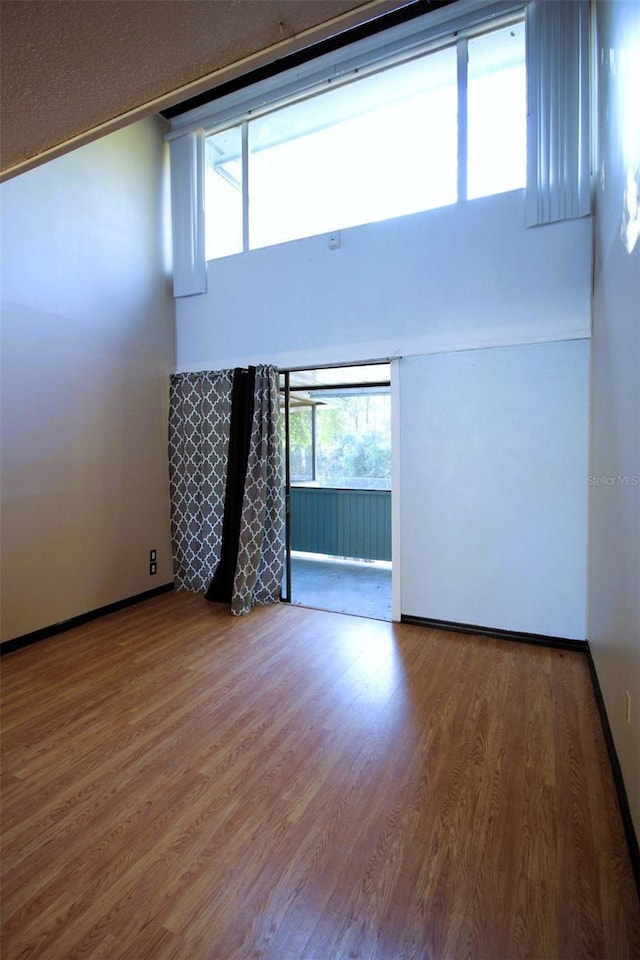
(260, 564)
(227, 503)
(199, 420)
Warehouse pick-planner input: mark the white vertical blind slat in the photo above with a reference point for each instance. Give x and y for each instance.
(187, 214)
(558, 167)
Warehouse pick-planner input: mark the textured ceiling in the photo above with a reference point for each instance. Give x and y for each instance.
(69, 67)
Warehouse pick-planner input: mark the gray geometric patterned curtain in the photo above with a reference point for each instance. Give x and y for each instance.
(200, 419)
(260, 565)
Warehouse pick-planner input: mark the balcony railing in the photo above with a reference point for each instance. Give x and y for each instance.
(341, 523)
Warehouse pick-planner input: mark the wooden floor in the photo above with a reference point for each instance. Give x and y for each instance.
(295, 784)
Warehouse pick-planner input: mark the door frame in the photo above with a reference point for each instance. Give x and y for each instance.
(394, 386)
(396, 518)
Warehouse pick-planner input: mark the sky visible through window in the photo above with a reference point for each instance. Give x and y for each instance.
(497, 113)
(379, 147)
(368, 155)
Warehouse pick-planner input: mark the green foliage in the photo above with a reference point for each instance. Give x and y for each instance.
(353, 440)
(300, 427)
(300, 434)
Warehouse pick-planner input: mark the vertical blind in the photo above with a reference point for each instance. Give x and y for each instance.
(558, 150)
(187, 214)
(558, 158)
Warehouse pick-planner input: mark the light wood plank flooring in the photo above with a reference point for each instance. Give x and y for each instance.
(302, 785)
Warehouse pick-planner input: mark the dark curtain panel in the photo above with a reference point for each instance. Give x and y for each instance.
(221, 587)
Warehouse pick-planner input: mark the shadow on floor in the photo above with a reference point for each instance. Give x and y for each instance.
(358, 587)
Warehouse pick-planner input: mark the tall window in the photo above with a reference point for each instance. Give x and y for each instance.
(496, 112)
(382, 145)
(223, 192)
(355, 154)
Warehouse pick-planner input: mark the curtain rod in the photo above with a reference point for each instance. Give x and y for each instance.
(338, 366)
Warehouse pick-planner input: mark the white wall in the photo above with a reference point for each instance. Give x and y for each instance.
(614, 502)
(494, 441)
(87, 347)
(493, 488)
(463, 276)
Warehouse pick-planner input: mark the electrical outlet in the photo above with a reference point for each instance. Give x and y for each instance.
(152, 556)
(153, 567)
(628, 695)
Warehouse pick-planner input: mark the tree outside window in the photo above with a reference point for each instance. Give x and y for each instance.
(342, 440)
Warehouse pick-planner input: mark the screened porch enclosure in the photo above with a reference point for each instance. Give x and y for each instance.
(341, 523)
(337, 439)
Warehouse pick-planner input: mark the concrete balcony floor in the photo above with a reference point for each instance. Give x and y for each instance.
(358, 587)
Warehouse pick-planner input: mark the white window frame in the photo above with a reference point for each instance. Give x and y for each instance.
(405, 41)
(439, 28)
(344, 66)
(436, 29)
(461, 45)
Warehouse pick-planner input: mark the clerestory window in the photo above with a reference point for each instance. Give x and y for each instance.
(442, 127)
